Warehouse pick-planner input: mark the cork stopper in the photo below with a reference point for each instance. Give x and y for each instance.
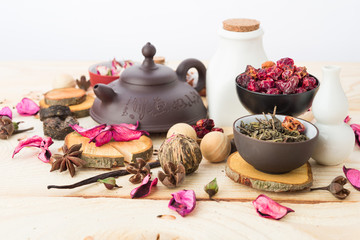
(241, 25)
(159, 60)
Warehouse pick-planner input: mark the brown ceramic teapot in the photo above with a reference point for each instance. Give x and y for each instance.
(152, 94)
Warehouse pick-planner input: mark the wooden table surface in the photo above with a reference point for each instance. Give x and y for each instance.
(28, 210)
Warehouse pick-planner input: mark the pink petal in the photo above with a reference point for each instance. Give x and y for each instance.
(356, 129)
(115, 72)
(103, 71)
(115, 64)
(145, 188)
(122, 133)
(6, 111)
(39, 142)
(347, 119)
(103, 137)
(183, 202)
(268, 208)
(27, 107)
(89, 133)
(353, 175)
(129, 126)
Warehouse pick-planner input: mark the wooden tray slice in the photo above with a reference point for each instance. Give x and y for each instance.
(240, 171)
(65, 96)
(79, 110)
(112, 154)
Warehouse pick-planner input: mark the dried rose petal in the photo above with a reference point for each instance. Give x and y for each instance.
(103, 70)
(183, 202)
(103, 137)
(27, 107)
(123, 133)
(356, 129)
(39, 142)
(253, 86)
(251, 71)
(353, 175)
(347, 119)
(6, 111)
(285, 63)
(217, 129)
(89, 133)
(145, 188)
(243, 79)
(268, 208)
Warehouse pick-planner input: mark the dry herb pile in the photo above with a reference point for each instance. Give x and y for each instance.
(271, 130)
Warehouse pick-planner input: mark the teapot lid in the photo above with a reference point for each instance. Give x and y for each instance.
(148, 73)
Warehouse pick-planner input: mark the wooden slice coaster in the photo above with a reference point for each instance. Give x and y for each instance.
(79, 110)
(240, 171)
(112, 154)
(65, 96)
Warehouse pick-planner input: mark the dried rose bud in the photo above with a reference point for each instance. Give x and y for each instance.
(109, 183)
(267, 64)
(206, 123)
(211, 188)
(216, 129)
(9, 128)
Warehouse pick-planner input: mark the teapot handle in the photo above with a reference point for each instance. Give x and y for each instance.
(184, 67)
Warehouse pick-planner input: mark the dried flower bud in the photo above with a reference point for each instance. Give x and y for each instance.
(109, 183)
(6, 127)
(336, 187)
(211, 188)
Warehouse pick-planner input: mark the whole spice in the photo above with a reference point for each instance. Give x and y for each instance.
(71, 157)
(336, 187)
(211, 188)
(139, 168)
(27, 107)
(83, 83)
(183, 202)
(9, 128)
(180, 149)
(115, 174)
(215, 147)
(145, 188)
(272, 130)
(268, 208)
(39, 142)
(103, 133)
(353, 175)
(174, 174)
(182, 128)
(109, 183)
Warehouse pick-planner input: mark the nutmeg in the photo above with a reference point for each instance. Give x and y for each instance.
(184, 129)
(215, 146)
(63, 81)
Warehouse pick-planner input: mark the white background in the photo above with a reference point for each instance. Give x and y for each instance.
(309, 30)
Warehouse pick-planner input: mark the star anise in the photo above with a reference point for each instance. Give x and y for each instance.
(70, 158)
(174, 175)
(83, 83)
(139, 168)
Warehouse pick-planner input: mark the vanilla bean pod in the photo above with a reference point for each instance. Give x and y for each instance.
(115, 174)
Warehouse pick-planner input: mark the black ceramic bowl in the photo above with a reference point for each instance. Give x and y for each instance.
(291, 104)
(271, 157)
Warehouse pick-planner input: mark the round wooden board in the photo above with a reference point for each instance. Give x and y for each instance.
(65, 96)
(112, 154)
(79, 110)
(240, 171)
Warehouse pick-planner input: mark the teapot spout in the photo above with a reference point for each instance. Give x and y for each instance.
(104, 93)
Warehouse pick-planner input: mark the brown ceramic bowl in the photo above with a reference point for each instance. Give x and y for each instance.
(292, 104)
(273, 157)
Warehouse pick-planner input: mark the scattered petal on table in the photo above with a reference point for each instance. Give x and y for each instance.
(145, 188)
(183, 202)
(268, 208)
(27, 107)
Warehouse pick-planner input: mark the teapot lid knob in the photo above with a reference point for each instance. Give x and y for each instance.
(149, 52)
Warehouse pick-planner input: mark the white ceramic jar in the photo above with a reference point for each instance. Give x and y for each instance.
(330, 107)
(235, 51)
